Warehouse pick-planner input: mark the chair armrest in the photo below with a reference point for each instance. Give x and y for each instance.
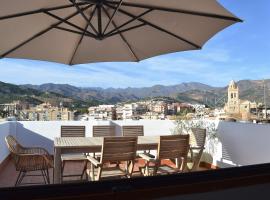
(36, 151)
(94, 161)
(147, 157)
(196, 148)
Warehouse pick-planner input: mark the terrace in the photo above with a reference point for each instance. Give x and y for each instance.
(234, 148)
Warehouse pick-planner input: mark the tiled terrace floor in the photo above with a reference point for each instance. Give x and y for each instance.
(8, 173)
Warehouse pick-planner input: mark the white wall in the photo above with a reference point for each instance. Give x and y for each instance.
(6, 128)
(246, 143)
(151, 127)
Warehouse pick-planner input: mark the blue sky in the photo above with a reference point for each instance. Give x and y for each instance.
(242, 51)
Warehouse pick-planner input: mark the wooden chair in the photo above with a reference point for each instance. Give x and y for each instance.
(135, 130)
(103, 131)
(28, 160)
(73, 131)
(169, 147)
(197, 143)
(132, 131)
(114, 149)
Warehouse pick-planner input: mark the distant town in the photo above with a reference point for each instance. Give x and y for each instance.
(161, 108)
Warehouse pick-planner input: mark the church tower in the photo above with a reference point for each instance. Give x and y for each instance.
(233, 99)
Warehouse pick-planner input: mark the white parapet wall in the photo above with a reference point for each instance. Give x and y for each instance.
(245, 143)
(6, 128)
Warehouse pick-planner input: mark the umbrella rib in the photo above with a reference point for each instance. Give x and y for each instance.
(99, 19)
(122, 37)
(69, 23)
(84, 16)
(77, 46)
(159, 28)
(111, 18)
(211, 15)
(131, 20)
(125, 30)
(40, 33)
(38, 11)
(71, 31)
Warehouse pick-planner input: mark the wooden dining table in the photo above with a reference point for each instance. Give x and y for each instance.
(90, 145)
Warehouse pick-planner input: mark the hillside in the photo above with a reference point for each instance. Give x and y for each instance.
(114, 95)
(11, 92)
(192, 92)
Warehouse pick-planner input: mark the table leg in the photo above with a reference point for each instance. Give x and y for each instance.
(57, 165)
(177, 163)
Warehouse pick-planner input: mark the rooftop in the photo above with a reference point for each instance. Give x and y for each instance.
(227, 151)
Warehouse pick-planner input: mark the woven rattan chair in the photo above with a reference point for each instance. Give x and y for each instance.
(114, 149)
(133, 131)
(197, 143)
(28, 160)
(73, 131)
(169, 148)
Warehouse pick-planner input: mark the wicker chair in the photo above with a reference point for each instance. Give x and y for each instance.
(197, 142)
(169, 148)
(73, 131)
(28, 160)
(114, 149)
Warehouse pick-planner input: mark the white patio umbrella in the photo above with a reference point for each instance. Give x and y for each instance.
(84, 31)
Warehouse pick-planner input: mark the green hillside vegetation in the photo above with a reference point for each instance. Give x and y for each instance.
(11, 92)
(81, 98)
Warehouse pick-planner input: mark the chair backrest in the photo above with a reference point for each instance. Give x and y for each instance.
(13, 145)
(104, 131)
(132, 131)
(72, 131)
(173, 146)
(119, 149)
(197, 137)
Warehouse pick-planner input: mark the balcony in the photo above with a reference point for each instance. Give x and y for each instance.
(239, 144)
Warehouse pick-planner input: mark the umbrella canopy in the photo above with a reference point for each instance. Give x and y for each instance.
(83, 31)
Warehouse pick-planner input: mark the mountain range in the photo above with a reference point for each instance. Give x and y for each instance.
(193, 92)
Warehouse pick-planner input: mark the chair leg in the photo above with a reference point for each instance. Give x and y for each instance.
(92, 173)
(196, 162)
(44, 176)
(21, 178)
(127, 166)
(62, 170)
(146, 171)
(48, 175)
(130, 168)
(18, 178)
(157, 164)
(99, 172)
(84, 169)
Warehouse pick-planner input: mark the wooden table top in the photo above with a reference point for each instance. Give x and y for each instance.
(81, 142)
